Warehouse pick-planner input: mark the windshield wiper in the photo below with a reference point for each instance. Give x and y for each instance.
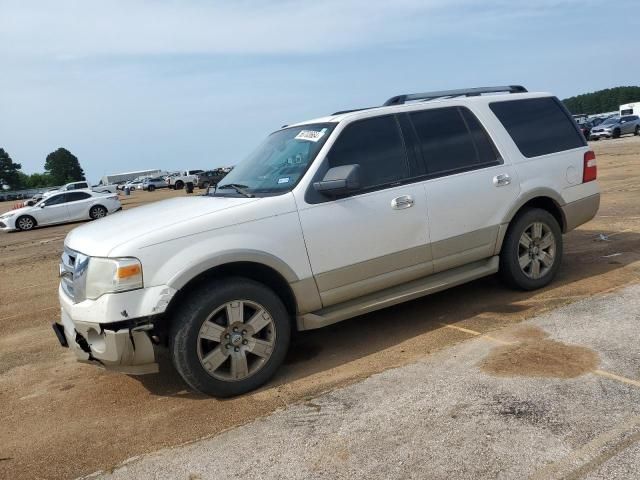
(237, 187)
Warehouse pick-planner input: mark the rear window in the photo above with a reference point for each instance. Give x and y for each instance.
(538, 126)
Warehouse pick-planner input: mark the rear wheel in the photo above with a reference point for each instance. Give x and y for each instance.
(151, 188)
(532, 250)
(97, 211)
(616, 133)
(25, 223)
(637, 131)
(229, 337)
(204, 185)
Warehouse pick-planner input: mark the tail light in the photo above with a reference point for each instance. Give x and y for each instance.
(590, 171)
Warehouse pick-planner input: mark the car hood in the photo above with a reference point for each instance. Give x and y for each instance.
(155, 222)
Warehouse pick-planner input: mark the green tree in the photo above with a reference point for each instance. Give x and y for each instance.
(63, 167)
(9, 171)
(607, 100)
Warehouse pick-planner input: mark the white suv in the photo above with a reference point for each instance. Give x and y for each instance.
(329, 219)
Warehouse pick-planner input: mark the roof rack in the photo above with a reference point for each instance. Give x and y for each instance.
(464, 92)
(352, 110)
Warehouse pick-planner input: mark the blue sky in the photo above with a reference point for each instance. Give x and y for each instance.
(131, 84)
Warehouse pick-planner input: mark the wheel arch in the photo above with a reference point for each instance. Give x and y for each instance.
(258, 266)
(35, 221)
(545, 199)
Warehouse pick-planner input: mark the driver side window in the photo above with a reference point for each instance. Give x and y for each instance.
(376, 145)
(56, 200)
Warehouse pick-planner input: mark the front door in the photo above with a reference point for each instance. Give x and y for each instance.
(52, 210)
(376, 238)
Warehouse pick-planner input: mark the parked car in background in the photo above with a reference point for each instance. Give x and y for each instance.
(133, 185)
(328, 219)
(100, 188)
(210, 178)
(151, 184)
(179, 180)
(61, 207)
(614, 127)
(67, 188)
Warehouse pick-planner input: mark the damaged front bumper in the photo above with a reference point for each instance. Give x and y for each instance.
(124, 347)
(113, 331)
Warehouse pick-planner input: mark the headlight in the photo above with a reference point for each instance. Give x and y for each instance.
(112, 275)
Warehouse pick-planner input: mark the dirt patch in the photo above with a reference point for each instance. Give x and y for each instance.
(535, 355)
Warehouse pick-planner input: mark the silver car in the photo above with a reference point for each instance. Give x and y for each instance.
(151, 184)
(613, 127)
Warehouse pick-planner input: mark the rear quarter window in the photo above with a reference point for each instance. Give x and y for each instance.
(538, 126)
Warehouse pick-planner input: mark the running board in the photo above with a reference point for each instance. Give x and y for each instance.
(398, 294)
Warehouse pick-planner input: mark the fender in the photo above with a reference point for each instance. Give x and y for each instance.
(530, 195)
(230, 256)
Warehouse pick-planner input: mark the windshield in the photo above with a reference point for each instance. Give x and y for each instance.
(278, 163)
(611, 120)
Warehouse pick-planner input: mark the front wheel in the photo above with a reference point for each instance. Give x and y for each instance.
(637, 131)
(532, 250)
(229, 337)
(179, 185)
(25, 223)
(151, 188)
(616, 133)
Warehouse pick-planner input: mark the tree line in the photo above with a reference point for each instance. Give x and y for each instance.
(607, 100)
(60, 167)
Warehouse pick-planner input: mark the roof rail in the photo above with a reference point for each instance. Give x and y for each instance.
(464, 92)
(352, 110)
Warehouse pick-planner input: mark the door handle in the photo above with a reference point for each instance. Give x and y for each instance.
(404, 201)
(501, 180)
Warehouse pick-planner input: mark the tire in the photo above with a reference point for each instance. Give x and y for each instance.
(151, 188)
(179, 185)
(541, 259)
(616, 133)
(25, 223)
(204, 185)
(205, 312)
(637, 130)
(97, 211)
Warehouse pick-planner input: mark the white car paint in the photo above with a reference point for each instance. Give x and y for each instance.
(47, 212)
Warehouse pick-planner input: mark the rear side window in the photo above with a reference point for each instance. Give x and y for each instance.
(75, 196)
(376, 145)
(538, 126)
(452, 140)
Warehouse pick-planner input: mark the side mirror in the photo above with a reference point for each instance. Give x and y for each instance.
(42, 205)
(339, 181)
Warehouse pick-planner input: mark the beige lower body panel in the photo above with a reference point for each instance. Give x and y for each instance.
(398, 294)
(581, 211)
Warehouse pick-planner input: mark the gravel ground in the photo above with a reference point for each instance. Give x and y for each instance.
(449, 416)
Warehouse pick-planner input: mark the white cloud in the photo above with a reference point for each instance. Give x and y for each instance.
(68, 29)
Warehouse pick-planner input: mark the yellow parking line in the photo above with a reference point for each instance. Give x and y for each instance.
(478, 334)
(613, 376)
(602, 373)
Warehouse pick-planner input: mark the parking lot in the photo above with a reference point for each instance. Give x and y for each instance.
(62, 419)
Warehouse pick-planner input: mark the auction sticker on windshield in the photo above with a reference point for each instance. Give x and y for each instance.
(310, 135)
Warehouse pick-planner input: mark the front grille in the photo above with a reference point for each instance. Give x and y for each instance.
(73, 267)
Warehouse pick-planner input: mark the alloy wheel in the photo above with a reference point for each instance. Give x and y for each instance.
(536, 250)
(236, 340)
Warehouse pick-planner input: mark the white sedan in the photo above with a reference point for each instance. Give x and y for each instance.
(61, 208)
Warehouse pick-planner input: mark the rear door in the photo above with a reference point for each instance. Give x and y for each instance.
(377, 237)
(78, 204)
(52, 210)
(469, 186)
